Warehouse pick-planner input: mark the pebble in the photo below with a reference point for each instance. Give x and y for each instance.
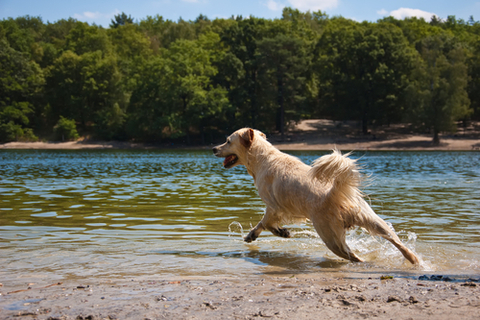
(393, 298)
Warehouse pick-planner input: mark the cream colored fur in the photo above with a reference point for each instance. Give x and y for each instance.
(326, 193)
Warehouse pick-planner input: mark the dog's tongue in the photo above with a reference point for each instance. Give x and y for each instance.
(228, 160)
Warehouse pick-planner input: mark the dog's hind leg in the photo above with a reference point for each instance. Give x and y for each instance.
(377, 226)
(333, 234)
(269, 222)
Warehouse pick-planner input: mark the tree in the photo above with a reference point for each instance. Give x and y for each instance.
(85, 88)
(155, 78)
(83, 38)
(65, 129)
(308, 25)
(175, 95)
(283, 64)
(149, 109)
(438, 89)
(121, 20)
(20, 83)
(195, 97)
(129, 42)
(242, 67)
(363, 70)
(473, 63)
(23, 35)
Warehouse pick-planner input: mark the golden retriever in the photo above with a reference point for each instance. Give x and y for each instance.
(327, 193)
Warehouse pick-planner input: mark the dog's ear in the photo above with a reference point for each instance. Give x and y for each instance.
(247, 138)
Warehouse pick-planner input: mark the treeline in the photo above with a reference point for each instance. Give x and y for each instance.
(158, 80)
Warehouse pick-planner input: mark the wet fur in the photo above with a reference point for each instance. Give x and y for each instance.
(327, 193)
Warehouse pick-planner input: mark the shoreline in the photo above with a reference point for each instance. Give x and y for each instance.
(312, 134)
(261, 296)
(294, 142)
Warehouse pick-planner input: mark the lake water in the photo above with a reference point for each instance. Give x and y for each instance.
(165, 214)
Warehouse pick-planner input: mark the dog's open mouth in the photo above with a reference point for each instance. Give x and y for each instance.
(230, 161)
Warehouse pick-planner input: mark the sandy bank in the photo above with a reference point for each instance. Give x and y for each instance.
(327, 134)
(308, 135)
(285, 297)
(413, 142)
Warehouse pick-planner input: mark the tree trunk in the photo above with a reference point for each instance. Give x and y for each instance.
(187, 130)
(281, 108)
(436, 137)
(253, 100)
(365, 124)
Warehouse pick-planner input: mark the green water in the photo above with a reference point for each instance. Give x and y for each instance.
(77, 214)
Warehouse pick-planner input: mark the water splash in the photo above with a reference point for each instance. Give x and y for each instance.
(234, 229)
(384, 253)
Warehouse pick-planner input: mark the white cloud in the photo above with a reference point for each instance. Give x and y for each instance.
(382, 12)
(94, 16)
(313, 5)
(403, 13)
(274, 6)
(79, 16)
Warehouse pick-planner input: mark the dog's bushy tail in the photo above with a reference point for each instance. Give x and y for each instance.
(344, 176)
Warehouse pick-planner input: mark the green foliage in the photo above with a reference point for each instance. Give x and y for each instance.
(438, 89)
(65, 130)
(83, 38)
(121, 20)
(241, 71)
(364, 70)
(155, 79)
(178, 93)
(283, 63)
(20, 82)
(82, 87)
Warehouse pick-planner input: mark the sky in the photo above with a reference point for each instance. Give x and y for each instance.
(101, 12)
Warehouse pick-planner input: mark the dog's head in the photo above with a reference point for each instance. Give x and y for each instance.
(235, 149)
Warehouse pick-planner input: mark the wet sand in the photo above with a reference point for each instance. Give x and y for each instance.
(284, 297)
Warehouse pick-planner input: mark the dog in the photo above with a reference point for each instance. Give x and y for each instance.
(326, 193)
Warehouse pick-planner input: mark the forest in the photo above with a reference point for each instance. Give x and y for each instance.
(157, 80)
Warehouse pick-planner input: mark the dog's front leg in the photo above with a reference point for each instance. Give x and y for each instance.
(270, 222)
(254, 233)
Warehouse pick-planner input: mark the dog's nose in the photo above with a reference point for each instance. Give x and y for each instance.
(214, 149)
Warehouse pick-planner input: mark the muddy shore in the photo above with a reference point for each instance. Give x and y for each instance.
(285, 297)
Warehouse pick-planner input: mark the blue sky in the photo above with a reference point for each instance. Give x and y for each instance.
(102, 11)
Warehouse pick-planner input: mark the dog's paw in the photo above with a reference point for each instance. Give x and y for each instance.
(282, 232)
(250, 237)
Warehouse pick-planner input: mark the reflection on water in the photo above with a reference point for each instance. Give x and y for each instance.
(67, 214)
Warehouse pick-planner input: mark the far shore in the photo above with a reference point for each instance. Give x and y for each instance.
(307, 135)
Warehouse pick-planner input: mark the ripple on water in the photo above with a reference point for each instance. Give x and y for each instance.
(179, 212)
